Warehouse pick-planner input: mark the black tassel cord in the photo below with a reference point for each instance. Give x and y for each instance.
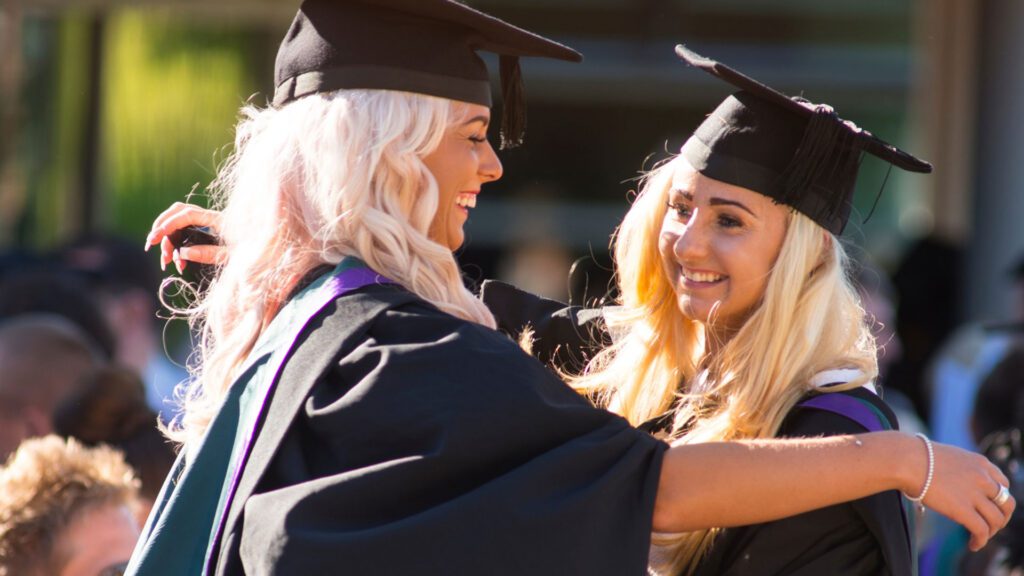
(513, 113)
(827, 160)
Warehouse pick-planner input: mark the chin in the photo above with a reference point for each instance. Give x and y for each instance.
(702, 312)
(693, 311)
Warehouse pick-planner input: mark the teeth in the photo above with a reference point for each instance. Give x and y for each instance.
(702, 276)
(466, 200)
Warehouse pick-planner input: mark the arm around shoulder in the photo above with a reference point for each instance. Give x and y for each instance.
(737, 483)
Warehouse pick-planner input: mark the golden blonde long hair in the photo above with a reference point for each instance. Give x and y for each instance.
(809, 320)
(327, 176)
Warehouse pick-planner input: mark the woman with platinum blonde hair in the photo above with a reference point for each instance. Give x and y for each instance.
(328, 177)
(357, 411)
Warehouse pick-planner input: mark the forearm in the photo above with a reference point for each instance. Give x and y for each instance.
(737, 483)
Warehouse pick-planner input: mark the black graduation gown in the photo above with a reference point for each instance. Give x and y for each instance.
(402, 440)
(563, 336)
(865, 537)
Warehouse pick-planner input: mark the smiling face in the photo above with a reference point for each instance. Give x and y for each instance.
(718, 244)
(461, 164)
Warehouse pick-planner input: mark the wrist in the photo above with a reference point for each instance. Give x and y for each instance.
(911, 463)
(918, 497)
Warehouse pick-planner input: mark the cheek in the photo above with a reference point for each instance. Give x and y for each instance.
(438, 231)
(666, 240)
(753, 263)
(668, 236)
(666, 249)
(745, 263)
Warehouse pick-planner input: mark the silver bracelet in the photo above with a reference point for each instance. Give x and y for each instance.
(919, 500)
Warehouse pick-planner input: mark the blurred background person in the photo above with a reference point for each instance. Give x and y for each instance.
(928, 288)
(109, 407)
(965, 359)
(126, 283)
(998, 427)
(66, 510)
(42, 288)
(42, 360)
(974, 386)
(999, 405)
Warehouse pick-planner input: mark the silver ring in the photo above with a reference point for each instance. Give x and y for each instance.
(1002, 497)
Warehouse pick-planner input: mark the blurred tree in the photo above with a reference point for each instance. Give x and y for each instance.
(172, 89)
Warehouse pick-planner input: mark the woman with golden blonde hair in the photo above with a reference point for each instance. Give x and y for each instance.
(737, 319)
(355, 409)
(753, 310)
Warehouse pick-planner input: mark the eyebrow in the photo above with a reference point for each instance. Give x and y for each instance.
(716, 201)
(481, 118)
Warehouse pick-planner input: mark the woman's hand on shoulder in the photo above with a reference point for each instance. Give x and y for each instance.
(178, 231)
(964, 488)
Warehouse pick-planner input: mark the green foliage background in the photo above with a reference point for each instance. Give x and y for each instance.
(172, 90)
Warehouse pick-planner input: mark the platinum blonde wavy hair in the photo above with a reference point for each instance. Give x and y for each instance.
(327, 176)
(809, 320)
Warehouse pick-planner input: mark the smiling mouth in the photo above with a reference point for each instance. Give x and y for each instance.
(701, 277)
(466, 200)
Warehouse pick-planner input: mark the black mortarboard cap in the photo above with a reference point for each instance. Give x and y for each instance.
(795, 152)
(423, 46)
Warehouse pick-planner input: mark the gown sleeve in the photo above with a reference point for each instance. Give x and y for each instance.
(865, 537)
(435, 446)
(564, 336)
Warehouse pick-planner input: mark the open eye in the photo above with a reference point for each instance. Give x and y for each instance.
(727, 221)
(683, 212)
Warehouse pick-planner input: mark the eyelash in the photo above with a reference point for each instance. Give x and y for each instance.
(678, 209)
(683, 213)
(478, 139)
(729, 222)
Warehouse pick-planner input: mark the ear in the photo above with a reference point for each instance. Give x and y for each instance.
(826, 247)
(826, 251)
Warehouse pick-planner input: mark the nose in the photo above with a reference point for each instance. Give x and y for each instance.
(490, 167)
(691, 240)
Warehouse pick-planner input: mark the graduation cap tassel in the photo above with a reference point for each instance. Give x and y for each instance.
(878, 196)
(827, 152)
(812, 157)
(849, 154)
(513, 117)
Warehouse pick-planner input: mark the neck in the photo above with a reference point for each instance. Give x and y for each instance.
(287, 290)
